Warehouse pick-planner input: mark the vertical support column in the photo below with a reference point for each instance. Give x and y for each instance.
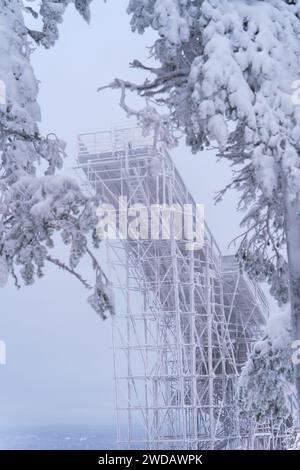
(179, 336)
(146, 371)
(209, 314)
(113, 330)
(128, 343)
(192, 320)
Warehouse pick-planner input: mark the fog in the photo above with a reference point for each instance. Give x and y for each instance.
(59, 361)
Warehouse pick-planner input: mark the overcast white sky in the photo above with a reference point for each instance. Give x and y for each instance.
(59, 365)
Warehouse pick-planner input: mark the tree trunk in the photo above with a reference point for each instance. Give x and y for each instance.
(292, 227)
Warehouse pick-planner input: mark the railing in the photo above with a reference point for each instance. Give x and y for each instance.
(118, 138)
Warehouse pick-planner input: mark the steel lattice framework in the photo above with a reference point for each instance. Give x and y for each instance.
(185, 318)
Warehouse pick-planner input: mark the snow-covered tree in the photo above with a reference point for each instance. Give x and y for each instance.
(225, 72)
(266, 382)
(51, 13)
(36, 203)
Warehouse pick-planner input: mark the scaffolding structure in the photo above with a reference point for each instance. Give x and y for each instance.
(186, 318)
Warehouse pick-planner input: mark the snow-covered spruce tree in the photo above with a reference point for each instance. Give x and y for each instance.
(36, 203)
(225, 72)
(265, 385)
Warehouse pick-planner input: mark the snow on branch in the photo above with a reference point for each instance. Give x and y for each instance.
(51, 13)
(266, 383)
(37, 204)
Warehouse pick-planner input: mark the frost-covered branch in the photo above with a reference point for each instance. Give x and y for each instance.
(67, 268)
(51, 13)
(36, 204)
(266, 383)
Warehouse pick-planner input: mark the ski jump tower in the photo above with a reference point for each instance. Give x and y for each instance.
(185, 318)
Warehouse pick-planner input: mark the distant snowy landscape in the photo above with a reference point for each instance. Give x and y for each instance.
(58, 438)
